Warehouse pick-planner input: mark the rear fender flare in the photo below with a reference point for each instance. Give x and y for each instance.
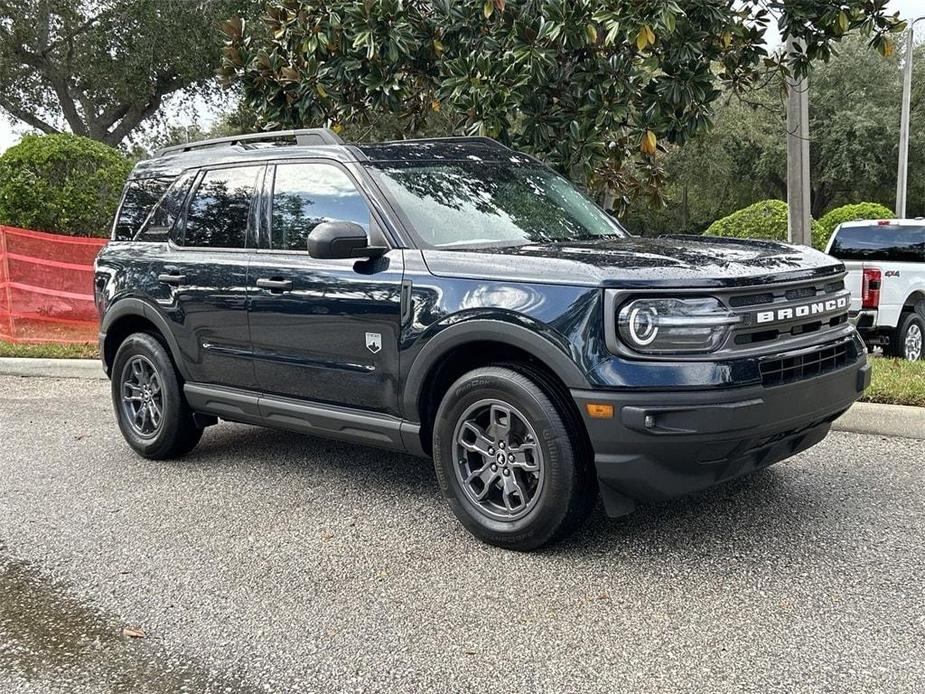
(131, 306)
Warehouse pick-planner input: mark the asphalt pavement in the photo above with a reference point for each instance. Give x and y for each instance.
(272, 562)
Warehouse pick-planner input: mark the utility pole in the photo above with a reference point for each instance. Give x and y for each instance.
(799, 230)
(901, 174)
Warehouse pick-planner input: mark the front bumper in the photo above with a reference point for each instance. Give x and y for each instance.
(102, 344)
(660, 445)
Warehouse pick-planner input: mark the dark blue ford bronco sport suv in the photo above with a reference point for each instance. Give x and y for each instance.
(453, 298)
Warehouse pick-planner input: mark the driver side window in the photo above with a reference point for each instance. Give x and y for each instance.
(304, 196)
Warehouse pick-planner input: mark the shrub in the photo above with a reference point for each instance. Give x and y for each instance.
(848, 213)
(61, 183)
(766, 219)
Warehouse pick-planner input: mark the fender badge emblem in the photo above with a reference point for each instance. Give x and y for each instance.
(373, 342)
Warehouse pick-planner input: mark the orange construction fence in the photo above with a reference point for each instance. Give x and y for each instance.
(46, 287)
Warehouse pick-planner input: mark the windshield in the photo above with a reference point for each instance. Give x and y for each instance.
(484, 204)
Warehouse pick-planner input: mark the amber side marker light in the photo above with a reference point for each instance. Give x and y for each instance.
(599, 410)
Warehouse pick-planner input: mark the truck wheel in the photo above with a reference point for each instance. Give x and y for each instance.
(908, 339)
(152, 413)
(506, 462)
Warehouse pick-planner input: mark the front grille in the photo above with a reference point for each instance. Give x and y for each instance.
(796, 367)
(753, 333)
(751, 299)
(801, 293)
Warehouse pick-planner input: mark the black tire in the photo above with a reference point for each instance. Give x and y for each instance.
(566, 488)
(176, 433)
(909, 335)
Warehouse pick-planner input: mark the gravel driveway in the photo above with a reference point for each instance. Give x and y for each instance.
(268, 561)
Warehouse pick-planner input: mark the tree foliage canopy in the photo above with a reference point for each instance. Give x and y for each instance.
(101, 68)
(64, 184)
(593, 87)
(854, 132)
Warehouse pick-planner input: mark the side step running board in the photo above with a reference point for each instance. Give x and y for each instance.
(343, 423)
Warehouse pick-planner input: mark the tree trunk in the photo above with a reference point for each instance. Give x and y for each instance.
(821, 200)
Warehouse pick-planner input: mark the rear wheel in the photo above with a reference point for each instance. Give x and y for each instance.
(909, 337)
(506, 463)
(148, 400)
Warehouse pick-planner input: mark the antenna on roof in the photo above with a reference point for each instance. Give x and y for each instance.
(304, 137)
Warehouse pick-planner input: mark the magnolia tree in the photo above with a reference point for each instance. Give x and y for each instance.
(594, 88)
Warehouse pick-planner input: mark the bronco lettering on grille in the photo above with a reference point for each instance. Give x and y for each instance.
(804, 311)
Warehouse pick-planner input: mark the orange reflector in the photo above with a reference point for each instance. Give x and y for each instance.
(599, 410)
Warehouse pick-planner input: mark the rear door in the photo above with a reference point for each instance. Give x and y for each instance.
(323, 330)
(202, 276)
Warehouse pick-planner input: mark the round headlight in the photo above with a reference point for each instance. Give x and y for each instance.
(643, 325)
(672, 325)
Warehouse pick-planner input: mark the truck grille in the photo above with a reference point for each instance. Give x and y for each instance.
(807, 364)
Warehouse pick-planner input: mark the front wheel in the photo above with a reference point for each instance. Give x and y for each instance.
(908, 342)
(505, 461)
(148, 399)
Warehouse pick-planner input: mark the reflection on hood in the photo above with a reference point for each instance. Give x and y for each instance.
(635, 261)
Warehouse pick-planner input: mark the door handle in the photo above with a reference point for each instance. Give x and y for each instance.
(274, 285)
(173, 278)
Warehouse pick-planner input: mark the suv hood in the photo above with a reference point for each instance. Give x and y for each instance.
(665, 261)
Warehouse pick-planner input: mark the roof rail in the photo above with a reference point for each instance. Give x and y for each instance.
(306, 136)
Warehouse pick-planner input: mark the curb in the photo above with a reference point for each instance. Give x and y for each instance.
(863, 417)
(883, 420)
(52, 368)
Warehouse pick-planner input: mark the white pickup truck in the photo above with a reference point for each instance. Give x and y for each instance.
(885, 260)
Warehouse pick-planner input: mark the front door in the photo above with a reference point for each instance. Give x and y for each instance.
(323, 330)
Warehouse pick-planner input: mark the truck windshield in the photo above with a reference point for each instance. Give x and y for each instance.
(453, 204)
(892, 242)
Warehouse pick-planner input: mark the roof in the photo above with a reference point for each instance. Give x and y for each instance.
(916, 222)
(436, 149)
(169, 162)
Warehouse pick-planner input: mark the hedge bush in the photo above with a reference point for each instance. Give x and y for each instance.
(766, 219)
(849, 213)
(64, 184)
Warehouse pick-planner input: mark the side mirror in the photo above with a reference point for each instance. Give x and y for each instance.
(331, 240)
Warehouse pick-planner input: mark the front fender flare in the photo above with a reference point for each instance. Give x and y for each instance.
(486, 330)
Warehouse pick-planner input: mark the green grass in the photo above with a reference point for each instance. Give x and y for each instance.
(897, 382)
(50, 350)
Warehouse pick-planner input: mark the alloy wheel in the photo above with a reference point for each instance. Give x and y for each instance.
(499, 462)
(142, 396)
(912, 348)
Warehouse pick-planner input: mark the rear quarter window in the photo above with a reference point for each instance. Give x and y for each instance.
(883, 243)
(138, 200)
(165, 214)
